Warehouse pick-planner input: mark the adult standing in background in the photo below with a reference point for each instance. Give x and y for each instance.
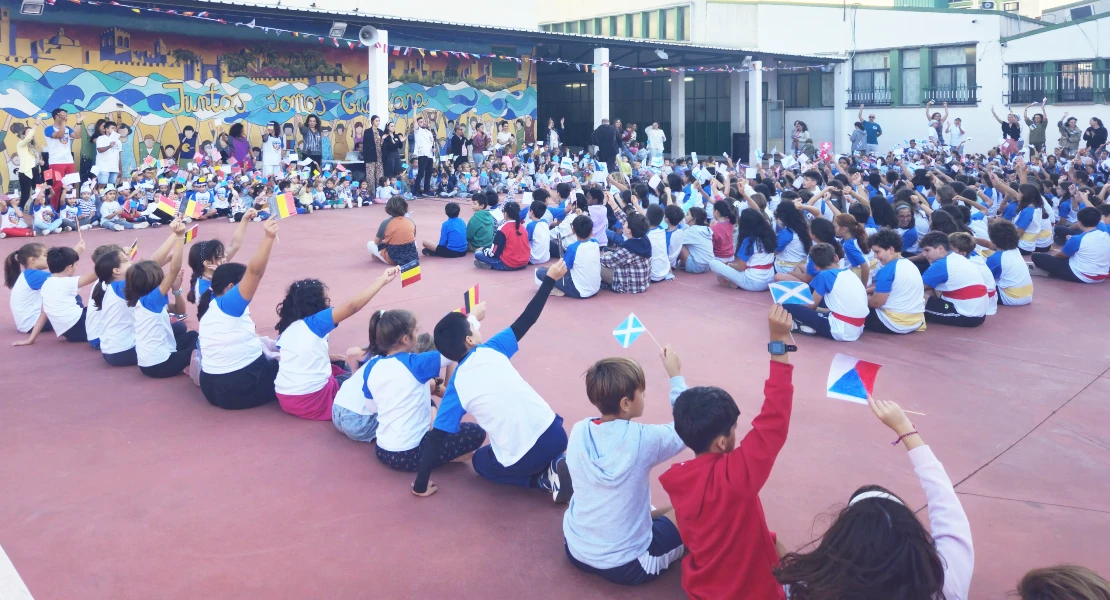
(937, 120)
(30, 173)
(393, 144)
(873, 131)
(239, 147)
(311, 143)
(1070, 135)
(479, 143)
(506, 139)
(423, 148)
(1036, 127)
(956, 134)
(607, 139)
(554, 136)
(655, 140)
(459, 146)
(1095, 134)
(1011, 132)
(372, 151)
(59, 146)
(272, 147)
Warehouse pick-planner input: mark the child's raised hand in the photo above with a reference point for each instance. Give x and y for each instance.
(779, 322)
(80, 247)
(558, 270)
(890, 414)
(177, 226)
(671, 362)
(250, 214)
(179, 280)
(390, 274)
(479, 311)
(270, 226)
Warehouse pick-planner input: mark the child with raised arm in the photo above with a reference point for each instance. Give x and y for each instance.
(611, 528)
(67, 317)
(730, 550)
(307, 380)
(906, 561)
(527, 439)
(844, 299)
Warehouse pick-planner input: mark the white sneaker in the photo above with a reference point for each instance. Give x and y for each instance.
(3, 235)
(142, 225)
(47, 232)
(86, 227)
(118, 227)
(67, 229)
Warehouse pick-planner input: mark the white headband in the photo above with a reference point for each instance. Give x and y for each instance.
(873, 494)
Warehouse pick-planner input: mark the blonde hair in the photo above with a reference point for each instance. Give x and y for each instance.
(1063, 582)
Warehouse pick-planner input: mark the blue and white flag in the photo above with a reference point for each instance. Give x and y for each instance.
(629, 329)
(791, 292)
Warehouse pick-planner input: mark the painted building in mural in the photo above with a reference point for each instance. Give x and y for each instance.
(160, 84)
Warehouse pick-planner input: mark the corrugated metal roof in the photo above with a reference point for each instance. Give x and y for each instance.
(536, 34)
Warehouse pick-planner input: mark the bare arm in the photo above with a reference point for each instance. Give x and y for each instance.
(35, 331)
(237, 237)
(256, 268)
(178, 254)
(352, 306)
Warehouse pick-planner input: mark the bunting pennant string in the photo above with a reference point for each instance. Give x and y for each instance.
(424, 52)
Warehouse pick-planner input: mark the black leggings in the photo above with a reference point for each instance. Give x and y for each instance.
(26, 184)
(251, 386)
(939, 310)
(179, 360)
(444, 252)
(127, 358)
(1056, 266)
(874, 323)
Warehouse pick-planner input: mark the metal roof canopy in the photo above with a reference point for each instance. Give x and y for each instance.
(439, 35)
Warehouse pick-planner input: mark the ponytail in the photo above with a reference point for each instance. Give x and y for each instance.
(14, 263)
(205, 300)
(857, 230)
(726, 210)
(387, 327)
(105, 273)
(512, 212)
(202, 252)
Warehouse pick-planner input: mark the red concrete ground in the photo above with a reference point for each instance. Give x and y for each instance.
(117, 486)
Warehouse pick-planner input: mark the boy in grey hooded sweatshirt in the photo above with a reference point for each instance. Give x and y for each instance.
(610, 528)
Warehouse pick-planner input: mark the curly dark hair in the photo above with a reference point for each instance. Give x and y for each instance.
(303, 298)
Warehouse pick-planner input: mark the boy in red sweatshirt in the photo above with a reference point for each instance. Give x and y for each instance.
(730, 552)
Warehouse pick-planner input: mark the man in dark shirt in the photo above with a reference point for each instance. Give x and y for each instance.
(607, 139)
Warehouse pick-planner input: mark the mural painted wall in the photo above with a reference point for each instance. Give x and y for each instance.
(160, 83)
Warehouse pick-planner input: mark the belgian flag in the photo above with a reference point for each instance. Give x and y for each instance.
(470, 299)
(165, 209)
(410, 273)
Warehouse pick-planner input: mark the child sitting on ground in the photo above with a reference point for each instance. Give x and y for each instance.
(452, 236)
(307, 379)
(627, 268)
(583, 262)
(954, 290)
(697, 243)
(511, 249)
(527, 439)
(395, 241)
(896, 300)
(611, 528)
(1011, 274)
(730, 550)
(843, 294)
(964, 245)
(479, 229)
(539, 233)
(675, 219)
(67, 317)
(657, 237)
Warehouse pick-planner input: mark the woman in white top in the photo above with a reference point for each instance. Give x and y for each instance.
(162, 349)
(273, 145)
(877, 548)
(236, 372)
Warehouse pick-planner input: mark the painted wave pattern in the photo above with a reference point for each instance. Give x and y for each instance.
(30, 92)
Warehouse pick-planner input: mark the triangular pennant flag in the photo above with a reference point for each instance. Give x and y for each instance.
(629, 329)
(791, 292)
(851, 379)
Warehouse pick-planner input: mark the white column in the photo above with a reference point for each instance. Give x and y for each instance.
(736, 111)
(755, 108)
(601, 85)
(377, 79)
(844, 117)
(677, 135)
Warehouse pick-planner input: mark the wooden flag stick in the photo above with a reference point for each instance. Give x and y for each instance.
(913, 412)
(648, 331)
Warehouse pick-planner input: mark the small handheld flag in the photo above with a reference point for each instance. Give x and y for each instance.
(470, 300)
(133, 251)
(191, 233)
(851, 379)
(791, 292)
(285, 205)
(192, 208)
(630, 329)
(410, 273)
(165, 209)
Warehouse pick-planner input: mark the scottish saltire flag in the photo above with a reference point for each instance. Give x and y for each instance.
(851, 379)
(791, 292)
(629, 329)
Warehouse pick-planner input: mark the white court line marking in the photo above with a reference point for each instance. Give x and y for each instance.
(11, 584)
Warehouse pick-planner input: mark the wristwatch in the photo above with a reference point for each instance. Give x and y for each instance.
(778, 348)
